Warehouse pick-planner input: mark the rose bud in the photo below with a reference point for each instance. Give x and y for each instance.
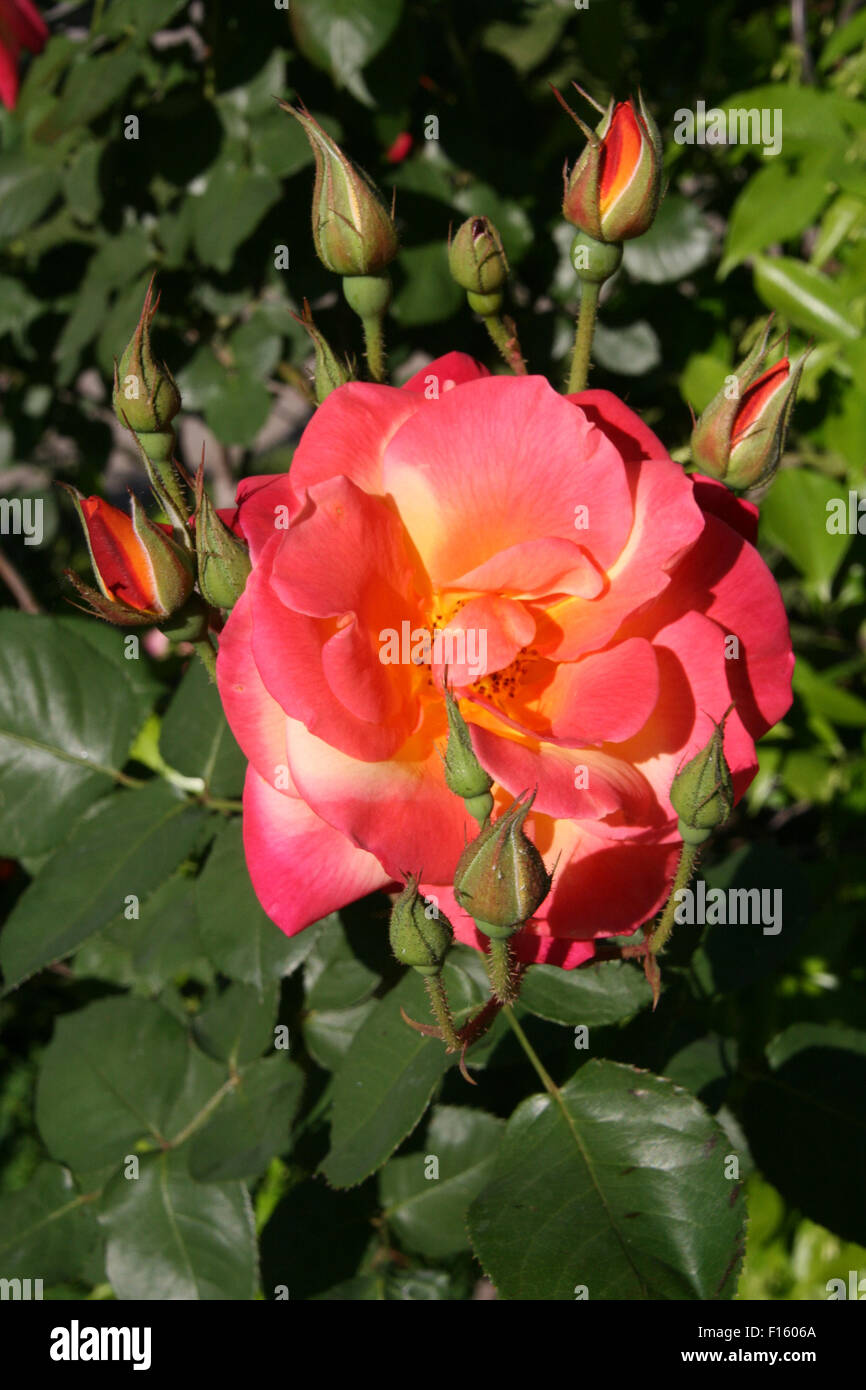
(353, 231)
(614, 189)
(500, 877)
(478, 263)
(143, 575)
(463, 773)
(145, 396)
(417, 939)
(223, 559)
(740, 436)
(702, 792)
(330, 372)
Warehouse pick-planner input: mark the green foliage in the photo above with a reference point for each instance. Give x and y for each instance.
(193, 1105)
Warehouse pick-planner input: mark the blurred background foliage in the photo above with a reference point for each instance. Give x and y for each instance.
(147, 137)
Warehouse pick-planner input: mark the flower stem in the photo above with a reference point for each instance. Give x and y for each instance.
(374, 344)
(589, 292)
(546, 1080)
(441, 1011)
(504, 335)
(205, 650)
(498, 961)
(685, 869)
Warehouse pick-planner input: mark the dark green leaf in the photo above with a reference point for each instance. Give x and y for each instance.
(47, 1229)
(230, 208)
(60, 741)
(195, 737)
(27, 186)
(335, 977)
(427, 1207)
(328, 1034)
(236, 934)
(239, 1026)
(119, 853)
(596, 995)
(119, 1071)
(154, 950)
(252, 1124)
(428, 294)
(169, 1237)
(385, 1083)
(619, 1191)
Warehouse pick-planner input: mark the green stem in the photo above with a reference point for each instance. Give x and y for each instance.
(685, 869)
(504, 335)
(546, 1080)
(205, 650)
(498, 961)
(96, 17)
(441, 1011)
(204, 1114)
(589, 292)
(218, 803)
(374, 345)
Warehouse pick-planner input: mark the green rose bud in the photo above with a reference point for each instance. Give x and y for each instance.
(500, 877)
(420, 935)
(463, 773)
(702, 792)
(223, 559)
(478, 263)
(353, 231)
(330, 372)
(145, 394)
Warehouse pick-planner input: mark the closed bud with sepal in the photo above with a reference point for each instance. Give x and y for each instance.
(420, 936)
(702, 792)
(500, 877)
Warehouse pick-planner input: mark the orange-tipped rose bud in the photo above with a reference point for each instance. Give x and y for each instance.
(740, 436)
(613, 190)
(143, 575)
(500, 877)
(353, 231)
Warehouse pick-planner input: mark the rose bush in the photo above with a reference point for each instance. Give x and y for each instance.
(623, 607)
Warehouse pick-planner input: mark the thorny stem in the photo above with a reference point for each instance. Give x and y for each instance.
(441, 1011)
(685, 869)
(205, 650)
(589, 292)
(504, 335)
(374, 345)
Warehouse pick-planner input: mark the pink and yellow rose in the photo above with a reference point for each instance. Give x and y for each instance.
(623, 606)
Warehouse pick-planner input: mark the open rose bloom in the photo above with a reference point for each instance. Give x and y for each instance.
(607, 607)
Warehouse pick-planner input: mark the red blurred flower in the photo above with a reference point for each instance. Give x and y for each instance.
(21, 26)
(400, 148)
